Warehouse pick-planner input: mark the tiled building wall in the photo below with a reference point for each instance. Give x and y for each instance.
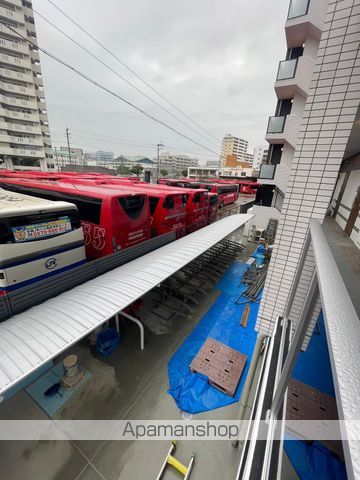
(329, 114)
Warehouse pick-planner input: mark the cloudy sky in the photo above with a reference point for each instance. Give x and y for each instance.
(215, 60)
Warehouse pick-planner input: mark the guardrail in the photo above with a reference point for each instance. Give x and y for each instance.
(233, 210)
(26, 297)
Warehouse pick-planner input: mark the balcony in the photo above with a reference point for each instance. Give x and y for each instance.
(328, 277)
(11, 15)
(20, 89)
(18, 102)
(14, 46)
(31, 117)
(283, 129)
(305, 18)
(14, 75)
(37, 141)
(294, 77)
(19, 127)
(23, 152)
(15, 61)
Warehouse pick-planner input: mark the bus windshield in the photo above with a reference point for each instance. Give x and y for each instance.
(133, 205)
(33, 227)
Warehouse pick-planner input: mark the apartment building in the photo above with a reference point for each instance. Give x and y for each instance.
(24, 128)
(234, 146)
(259, 157)
(314, 168)
(104, 156)
(176, 163)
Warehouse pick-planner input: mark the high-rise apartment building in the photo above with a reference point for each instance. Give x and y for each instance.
(24, 127)
(234, 146)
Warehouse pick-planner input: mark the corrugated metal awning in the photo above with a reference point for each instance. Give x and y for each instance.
(30, 339)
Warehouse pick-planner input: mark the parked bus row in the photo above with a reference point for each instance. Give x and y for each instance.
(117, 213)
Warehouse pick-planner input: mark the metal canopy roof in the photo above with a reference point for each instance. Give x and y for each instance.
(32, 338)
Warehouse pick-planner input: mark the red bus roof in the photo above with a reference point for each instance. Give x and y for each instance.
(85, 190)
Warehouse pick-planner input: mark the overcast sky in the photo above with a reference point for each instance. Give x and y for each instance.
(215, 60)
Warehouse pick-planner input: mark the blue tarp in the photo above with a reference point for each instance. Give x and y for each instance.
(314, 461)
(191, 391)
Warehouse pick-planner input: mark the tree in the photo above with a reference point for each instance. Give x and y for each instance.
(136, 169)
(184, 173)
(164, 173)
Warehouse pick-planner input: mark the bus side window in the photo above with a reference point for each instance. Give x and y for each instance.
(196, 198)
(153, 204)
(6, 235)
(168, 202)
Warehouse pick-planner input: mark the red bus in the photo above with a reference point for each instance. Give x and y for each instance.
(171, 182)
(167, 209)
(112, 219)
(228, 193)
(167, 206)
(213, 207)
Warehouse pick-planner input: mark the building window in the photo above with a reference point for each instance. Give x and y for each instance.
(298, 8)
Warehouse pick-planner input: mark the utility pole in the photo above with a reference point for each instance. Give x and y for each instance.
(68, 144)
(159, 145)
(57, 159)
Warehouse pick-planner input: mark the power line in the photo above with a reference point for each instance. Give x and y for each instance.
(105, 89)
(135, 143)
(131, 70)
(122, 78)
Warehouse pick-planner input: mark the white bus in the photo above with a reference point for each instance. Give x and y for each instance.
(38, 239)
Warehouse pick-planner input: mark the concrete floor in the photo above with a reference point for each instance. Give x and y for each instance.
(130, 384)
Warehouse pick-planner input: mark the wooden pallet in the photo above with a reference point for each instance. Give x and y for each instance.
(307, 403)
(222, 365)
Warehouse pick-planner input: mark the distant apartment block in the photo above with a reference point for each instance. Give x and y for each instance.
(202, 172)
(103, 156)
(24, 128)
(212, 163)
(259, 157)
(175, 163)
(234, 146)
(64, 159)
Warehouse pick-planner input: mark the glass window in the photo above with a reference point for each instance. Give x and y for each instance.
(298, 8)
(133, 205)
(276, 124)
(153, 204)
(267, 172)
(33, 227)
(89, 208)
(287, 69)
(169, 202)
